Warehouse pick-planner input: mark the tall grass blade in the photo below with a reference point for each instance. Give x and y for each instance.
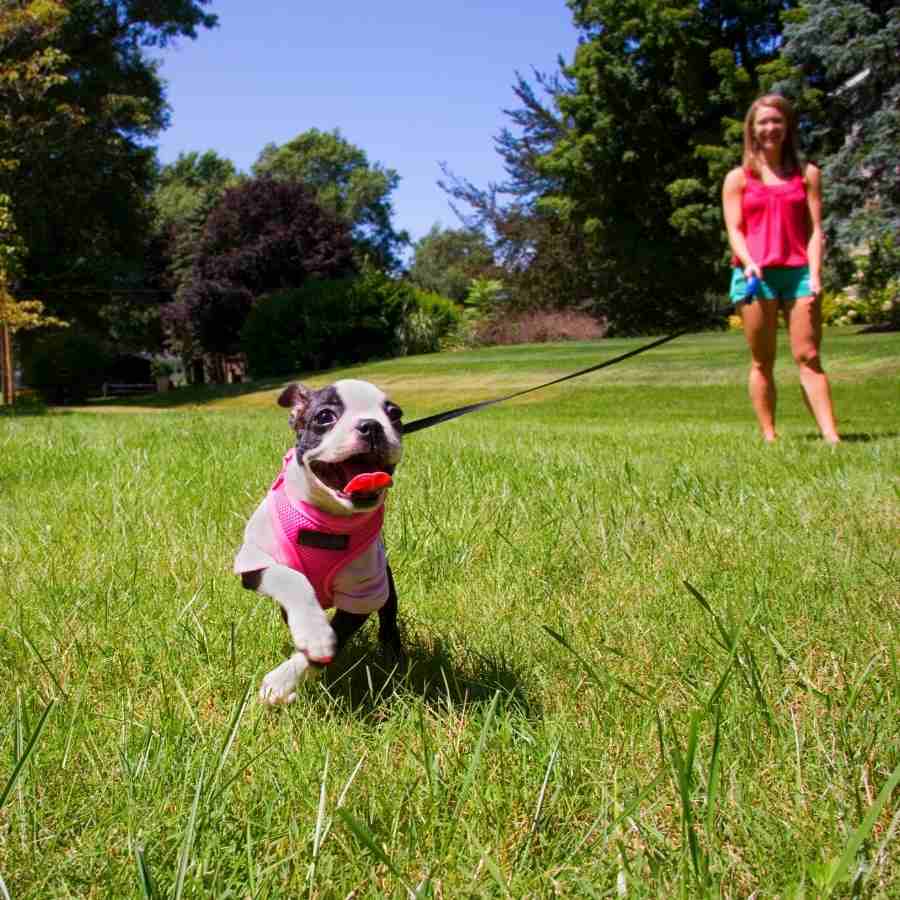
(320, 821)
(23, 756)
(795, 668)
(189, 834)
(725, 639)
(367, 839)
(589, 669)
(714, 776)
(43, 662)
(536, 817)
(474, 763)
(236, 717)
(427, 758)
(863, 831)
(145, 879)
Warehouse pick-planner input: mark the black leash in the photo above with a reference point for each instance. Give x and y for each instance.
(437, 418)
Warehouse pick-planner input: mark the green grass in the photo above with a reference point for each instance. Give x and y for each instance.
(649, 656)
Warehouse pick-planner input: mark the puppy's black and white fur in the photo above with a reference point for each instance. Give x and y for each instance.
(342, 430)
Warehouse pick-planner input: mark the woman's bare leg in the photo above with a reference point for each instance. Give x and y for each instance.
(804, 322)
(760, 320)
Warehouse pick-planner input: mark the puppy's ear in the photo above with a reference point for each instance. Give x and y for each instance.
(296, 397)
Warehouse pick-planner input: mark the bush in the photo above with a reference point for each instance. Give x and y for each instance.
(430, 324)
(68, 366)
(537, 326)
(25, 403)
(325, 323)
(873, 297)
(877, 306)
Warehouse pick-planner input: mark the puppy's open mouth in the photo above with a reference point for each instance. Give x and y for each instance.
(363, 475)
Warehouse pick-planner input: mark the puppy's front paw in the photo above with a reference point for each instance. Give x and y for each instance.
(313, 635)
(278, 688)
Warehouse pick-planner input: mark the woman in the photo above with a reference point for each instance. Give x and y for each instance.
(773, 213)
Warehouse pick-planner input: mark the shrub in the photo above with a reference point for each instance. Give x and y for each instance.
(873, 298)
(537, 326)
(25, 403)
(326, 322)
(429, 324)
(877, 306)
(68, 366)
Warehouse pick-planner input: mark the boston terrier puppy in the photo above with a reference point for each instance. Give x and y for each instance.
(315, 540)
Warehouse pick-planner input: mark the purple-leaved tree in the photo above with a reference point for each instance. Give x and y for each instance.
(263, 236)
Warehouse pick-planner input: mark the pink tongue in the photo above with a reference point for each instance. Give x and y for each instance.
(368, 483)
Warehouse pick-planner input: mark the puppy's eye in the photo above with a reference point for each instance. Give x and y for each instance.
(394, 413)
(324, 417)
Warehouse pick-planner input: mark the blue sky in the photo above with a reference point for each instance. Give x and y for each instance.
(411, 83)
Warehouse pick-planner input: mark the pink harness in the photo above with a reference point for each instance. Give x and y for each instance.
(317, 543)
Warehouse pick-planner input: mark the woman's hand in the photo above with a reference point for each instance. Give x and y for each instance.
(752, 269)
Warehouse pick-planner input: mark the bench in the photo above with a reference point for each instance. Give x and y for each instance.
(123, 390)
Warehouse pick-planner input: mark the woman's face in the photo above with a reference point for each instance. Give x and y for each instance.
(769, 128)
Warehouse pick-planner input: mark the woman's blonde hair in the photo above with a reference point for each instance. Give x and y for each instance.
(790, 157)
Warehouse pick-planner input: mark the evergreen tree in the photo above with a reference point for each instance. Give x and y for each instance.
(840, 62)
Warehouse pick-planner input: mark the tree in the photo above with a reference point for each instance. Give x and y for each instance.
(15, 315)
(27, 71)
(446, 261)
(615, 173)
(185, 194)
(263, 236)
(86, 133)
(345, 183)
(191, 186)
(840, 61)
(541, 255)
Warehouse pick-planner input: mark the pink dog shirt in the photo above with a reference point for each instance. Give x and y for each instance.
(317, 543)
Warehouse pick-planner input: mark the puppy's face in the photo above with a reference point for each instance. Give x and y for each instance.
(346, 430)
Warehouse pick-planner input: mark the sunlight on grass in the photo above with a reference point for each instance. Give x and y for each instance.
(647, 655)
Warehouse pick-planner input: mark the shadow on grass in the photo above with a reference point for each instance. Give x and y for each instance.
(366, 676)
(199, 395)
(860, 437)
(191, 395)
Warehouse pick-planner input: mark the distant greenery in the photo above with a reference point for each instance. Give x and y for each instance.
(615, 162)
(648, 655)
(81, 103)
(264, 235)
(331, 321)
(610, 205)
(446, 261)
(346, 184)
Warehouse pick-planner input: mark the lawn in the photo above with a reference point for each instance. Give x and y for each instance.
(648, 656)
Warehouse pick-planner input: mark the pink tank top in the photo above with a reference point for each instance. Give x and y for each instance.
(776, 222)
(317, 543)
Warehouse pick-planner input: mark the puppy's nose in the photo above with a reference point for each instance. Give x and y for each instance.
(371, 430)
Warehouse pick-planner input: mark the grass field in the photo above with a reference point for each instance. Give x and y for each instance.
(649, 656)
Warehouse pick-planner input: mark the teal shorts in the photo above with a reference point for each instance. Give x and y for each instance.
(784, 283)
